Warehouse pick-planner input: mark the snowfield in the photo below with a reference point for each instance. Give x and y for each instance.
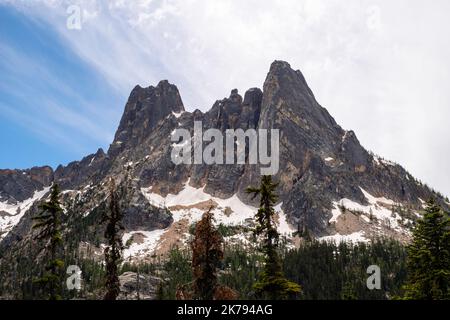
(378, 209)
(379, 161)
(283, 226)
(190, 203)
(187, 207)
(190, 196)
(354, 238)
(148, 243)
(15, 212)
(231, 211)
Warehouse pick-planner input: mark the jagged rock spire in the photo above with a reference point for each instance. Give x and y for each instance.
(144, 109)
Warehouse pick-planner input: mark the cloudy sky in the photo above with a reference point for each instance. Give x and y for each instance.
(381, 68)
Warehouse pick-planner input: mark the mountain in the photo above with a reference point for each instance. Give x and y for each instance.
(330, 186)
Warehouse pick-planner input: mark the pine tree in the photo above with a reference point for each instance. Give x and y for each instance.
(428, 261)
(48, 226)
(207, 254)
(113, 252)
(272, 283)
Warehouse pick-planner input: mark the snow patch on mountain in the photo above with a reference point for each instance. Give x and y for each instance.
(177, 114)
(380, 211)
(379, 161)
(188, 206)
(146, 243)
(423, 203)
(283, 226)
(10, 214)
(345, 204)
(191, 196)
(354, 238)
(230, 211)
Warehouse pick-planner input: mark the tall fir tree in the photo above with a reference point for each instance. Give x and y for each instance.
(207, 254)
(48, 226)
(428, 261)
(113, 252)
(272, 283)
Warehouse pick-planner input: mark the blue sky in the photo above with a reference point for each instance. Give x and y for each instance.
(54, 108)
(380, 67)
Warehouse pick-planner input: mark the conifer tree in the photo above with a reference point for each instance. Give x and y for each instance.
(272, 283)
(428, 261)
(113, 252)
(48, 226)
(207, 254)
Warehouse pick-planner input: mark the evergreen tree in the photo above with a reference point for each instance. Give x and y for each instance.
(48, 226)
(428, 259)
(207, 254)
(113, 252)
(272, 283)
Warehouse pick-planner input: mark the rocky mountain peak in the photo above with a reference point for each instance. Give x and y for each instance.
(329, 184)
(235, 96)
(284, 83)
(100, 153)
(253, 96)
(288, 104)
(144, 109)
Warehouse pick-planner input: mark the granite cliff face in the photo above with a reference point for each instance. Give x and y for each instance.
(329, 184)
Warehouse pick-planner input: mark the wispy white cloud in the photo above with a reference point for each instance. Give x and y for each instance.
(380, 67)
(49, 134)
(80, 117)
